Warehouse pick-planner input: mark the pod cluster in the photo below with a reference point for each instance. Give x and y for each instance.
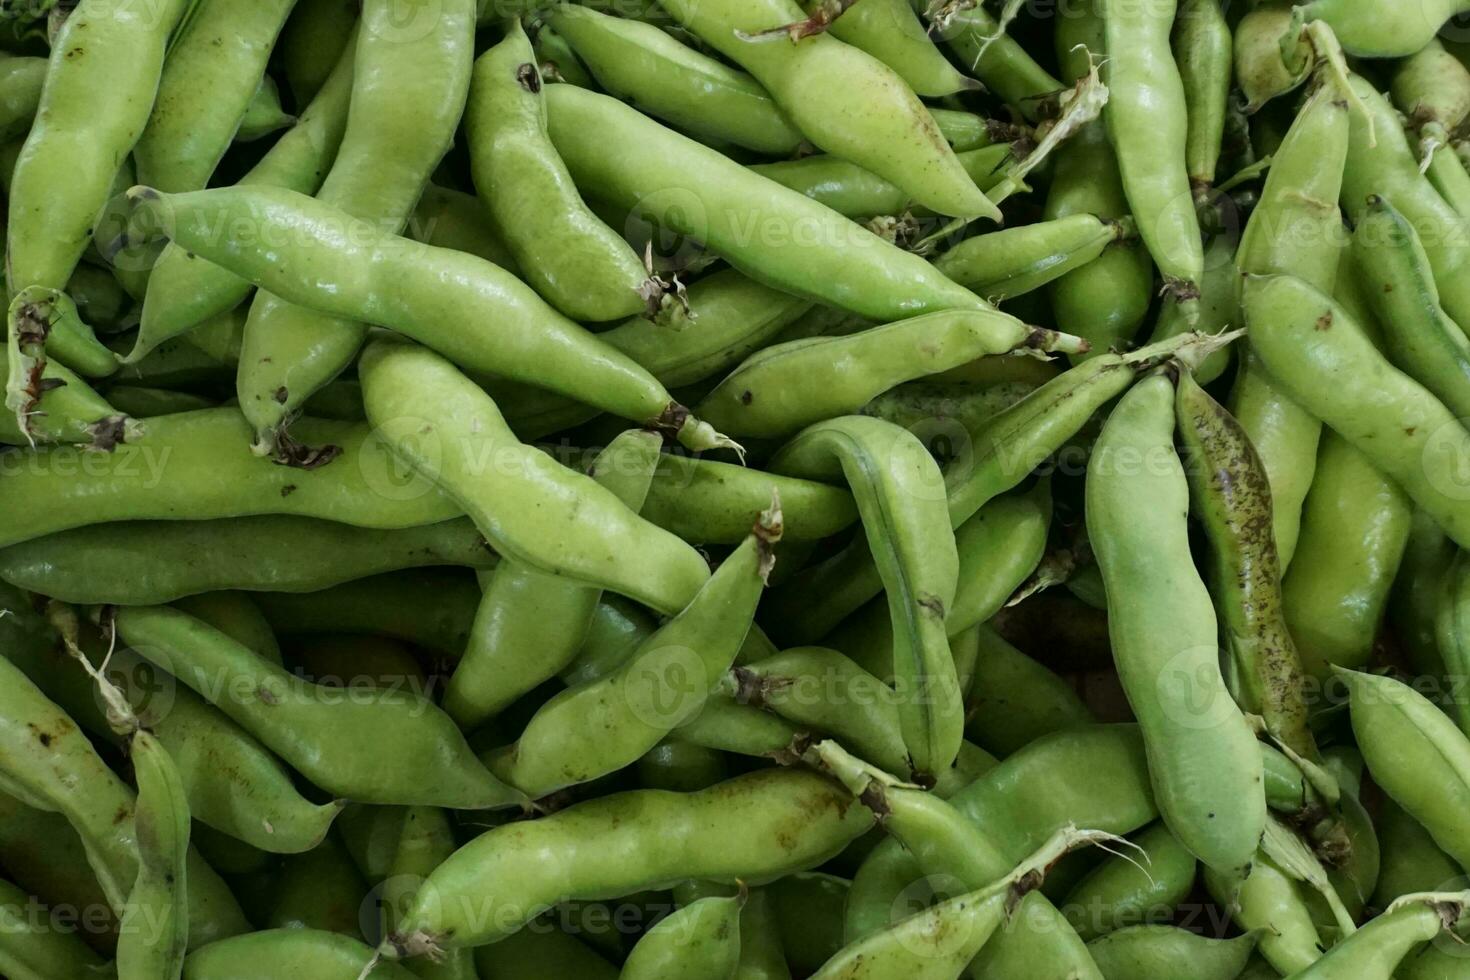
(718, 489)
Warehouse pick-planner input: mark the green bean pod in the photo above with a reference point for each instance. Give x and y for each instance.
(967, 131)
(528, 610)
(420, 301)
(951, 851)
(1202, 755)
(214, 69)
(49, 861)
(371, 835)
(882, 877)
(1449, 177)
(425, 842)
(1146, 122)
(21, 81)
(154, 932)
(860, 194)
(700, 940)
(808, 912)
(1262, 69)
(1414, 602)
(999, 548)
(1380, 162)
(603, 725)
(184, 290)
(1412, 862)
(578, 264)
(419, 757)
(1398, 284)
(1375, 951)
(232, 782)
(1106, 300)
(456, 220)
(622, 843)
(1380, 28)
(998, 60)
(681, 767)
(408, 95)
(144, 563)
(1415, 753)
(940, 941)
(206, 357)
(68, 411)
(41, 325)
(644, 65)
(1432, 88)
(235, 614)
(1355, 526)
(72, 780)
(1202, 49)
(530, 509)
(789, 386)
(891, 31)
(898, 489)
(199, 466)
(1269, 901)
(727, 726)
(1439, 960)
(38, 950)
(1454, 645)
(1093, 776)
(762, 955)
(319, 889)
(1014, 261)
(264, 113)
(1352, 856)
(1017, 441)
(932, 409)
(896, 138)
(100, 298)
(1219, 307)
(696, 191)
(1128, 892)
(1313, 347)
(312, 43)
(820, 690)
(735, 317)
(540, 949)
(708, 502)
(430, 608)
(273, 952)
(91, 113)
(1154, 952)
(1231, 493)
(1294, 229)
(1014, 700)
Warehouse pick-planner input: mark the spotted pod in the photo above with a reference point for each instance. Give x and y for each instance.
(1231, 494)
(43, 751)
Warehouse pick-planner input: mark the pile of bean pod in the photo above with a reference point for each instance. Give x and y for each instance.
(713, 489)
